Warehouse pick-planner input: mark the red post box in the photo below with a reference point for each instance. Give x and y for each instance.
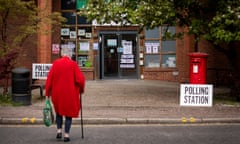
(198, 68)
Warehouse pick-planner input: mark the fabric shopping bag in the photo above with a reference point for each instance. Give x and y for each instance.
(48, 117)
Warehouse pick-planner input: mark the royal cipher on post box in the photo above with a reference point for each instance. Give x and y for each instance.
(198, 68)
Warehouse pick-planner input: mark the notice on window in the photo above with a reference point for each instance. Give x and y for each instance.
(84, 46)
(81, 32)
(69, 45)
(55, 48)
(148, 48)
(112, 42)
(65, 32)
(40, 70)
(196, 95)
(95, 46)
(127, 61)
(73, 34)
(152, 47)
(127, 65)
(127, 47)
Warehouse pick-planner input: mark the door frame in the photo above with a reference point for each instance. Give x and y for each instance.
(101, 53)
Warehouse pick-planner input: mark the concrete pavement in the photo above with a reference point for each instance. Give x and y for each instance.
(130, 102)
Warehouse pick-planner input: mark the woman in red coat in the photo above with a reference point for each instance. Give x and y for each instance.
(64, 83)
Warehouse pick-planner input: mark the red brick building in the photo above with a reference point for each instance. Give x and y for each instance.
(118, 52)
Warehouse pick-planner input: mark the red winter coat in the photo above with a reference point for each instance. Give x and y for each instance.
(64, 83)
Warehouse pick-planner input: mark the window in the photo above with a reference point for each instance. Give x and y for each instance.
(159, 53)
(77, 31)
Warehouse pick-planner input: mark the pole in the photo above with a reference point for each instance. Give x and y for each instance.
(81, 115)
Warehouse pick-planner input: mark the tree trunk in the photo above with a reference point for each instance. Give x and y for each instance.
(5, 87)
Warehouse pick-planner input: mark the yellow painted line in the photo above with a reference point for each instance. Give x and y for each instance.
(24, 120)
(184, 119)
(192, 119)
(33, 120)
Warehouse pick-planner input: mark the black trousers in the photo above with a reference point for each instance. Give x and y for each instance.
(68, 123)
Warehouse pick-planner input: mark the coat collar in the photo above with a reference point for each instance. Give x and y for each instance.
(66, 57)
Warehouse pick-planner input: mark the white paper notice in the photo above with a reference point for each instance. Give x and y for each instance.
(155, 49)
(127, 47)
(148, 49)
(84, 46)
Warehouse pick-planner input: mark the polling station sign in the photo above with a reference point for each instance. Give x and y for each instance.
(40, 70)
(196, 95)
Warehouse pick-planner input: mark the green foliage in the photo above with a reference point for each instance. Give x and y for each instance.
(224, 26)
(6, 100)
(217, 21)
(110, 11)
(19, 20)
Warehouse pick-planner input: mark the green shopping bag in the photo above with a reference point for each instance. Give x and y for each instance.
(48, 117)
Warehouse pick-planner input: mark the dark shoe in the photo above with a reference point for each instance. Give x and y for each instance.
(59, 136)
(66, 139)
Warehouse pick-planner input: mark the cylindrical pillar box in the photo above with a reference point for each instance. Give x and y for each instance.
(198, 68)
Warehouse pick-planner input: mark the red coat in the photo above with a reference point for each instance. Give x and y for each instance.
(64, 83)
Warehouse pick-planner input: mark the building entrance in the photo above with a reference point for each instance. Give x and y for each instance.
(118, 55)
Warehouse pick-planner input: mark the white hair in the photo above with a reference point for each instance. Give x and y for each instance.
(66, 52)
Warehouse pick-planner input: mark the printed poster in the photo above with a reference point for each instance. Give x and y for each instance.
(127, 47)
(55, 48)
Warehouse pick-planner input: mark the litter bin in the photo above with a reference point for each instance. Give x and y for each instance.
(21, 86)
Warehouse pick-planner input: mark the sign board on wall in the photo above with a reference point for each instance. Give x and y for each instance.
(196, 95)
(55, 48)
(40, 71)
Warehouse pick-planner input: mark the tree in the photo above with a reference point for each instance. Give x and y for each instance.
(18, 21)
(215, 21)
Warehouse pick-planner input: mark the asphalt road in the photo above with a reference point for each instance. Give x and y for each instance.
(126, 134)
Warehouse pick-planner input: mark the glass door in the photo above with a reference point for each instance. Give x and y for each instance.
(119, 55)
(128, 56)
(111, 55)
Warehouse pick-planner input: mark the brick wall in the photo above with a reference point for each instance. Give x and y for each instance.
(44, 40)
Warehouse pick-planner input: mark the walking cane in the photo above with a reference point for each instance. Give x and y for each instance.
(81, 115)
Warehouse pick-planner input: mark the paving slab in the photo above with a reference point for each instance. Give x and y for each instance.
(129, 102)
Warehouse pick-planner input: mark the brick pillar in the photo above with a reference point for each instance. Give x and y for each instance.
(44, 33)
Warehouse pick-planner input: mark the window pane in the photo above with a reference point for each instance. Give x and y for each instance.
(152, 33)
(169, 46)
(81, 4)
(168, 61)
(71, 17)
(68, 4)
(84, 32)
(171, 29)
(152, 47)
(67, 31)
(82, 20)
(152, 61)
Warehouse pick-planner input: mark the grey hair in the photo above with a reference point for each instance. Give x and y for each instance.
(66, 52)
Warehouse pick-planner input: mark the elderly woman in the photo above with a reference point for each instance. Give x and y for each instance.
(65, 83)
